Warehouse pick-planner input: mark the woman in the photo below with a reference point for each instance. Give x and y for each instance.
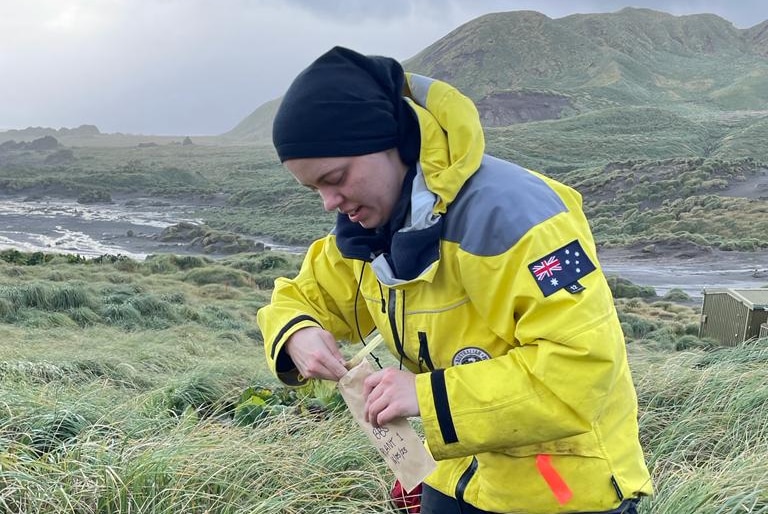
(481, 276)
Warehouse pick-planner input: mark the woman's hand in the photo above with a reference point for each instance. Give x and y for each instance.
(316, 354)
(389, 394)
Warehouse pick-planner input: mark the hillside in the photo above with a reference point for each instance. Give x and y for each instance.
(30, 133)
(523, 66)
(257, 125)
(628, 58)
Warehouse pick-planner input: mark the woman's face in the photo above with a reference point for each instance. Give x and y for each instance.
(364, 187)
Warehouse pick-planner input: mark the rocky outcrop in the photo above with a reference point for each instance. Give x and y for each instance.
(202, 237)
(41, 144)
(31, 133)
(510, 107)
(92, 196)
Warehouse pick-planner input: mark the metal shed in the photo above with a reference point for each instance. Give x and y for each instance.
(732, 316)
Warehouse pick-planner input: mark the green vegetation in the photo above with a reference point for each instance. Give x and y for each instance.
(623, 288)
(703, 422)
(634, 190)
(634, 57)
(142, 387)
(676, 200)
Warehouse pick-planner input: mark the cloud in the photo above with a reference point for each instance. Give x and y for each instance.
(357, 11)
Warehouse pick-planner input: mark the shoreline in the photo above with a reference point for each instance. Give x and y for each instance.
(131, 228)
(692, 273)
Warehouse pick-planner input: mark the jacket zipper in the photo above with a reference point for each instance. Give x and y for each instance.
(464, 479)
(424, 357)
(392, 313)
(383, 302)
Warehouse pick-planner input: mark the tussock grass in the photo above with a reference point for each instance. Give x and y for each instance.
(218, 275)
(45, 296)
(80, 459)
(138, 416)
(704, 423)
(84, 316)
(661, 324)
(74, 372)
(123, 299)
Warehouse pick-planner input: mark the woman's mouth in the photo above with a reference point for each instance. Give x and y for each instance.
(354, 214)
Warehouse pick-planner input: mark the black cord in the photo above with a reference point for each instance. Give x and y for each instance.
(402, 333)
(357, 320)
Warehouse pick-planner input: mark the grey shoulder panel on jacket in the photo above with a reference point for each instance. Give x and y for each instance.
(497, 206)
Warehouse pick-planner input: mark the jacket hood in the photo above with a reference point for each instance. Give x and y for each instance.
(452, 147)
(452, 141)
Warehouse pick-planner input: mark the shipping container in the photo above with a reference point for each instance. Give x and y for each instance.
(733, 316)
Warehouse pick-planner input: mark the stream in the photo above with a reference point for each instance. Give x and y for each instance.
(130, 228)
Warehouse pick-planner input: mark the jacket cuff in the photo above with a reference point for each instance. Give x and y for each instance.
(431, 393)
(284, 368)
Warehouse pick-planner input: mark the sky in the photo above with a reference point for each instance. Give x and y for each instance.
(198, 67)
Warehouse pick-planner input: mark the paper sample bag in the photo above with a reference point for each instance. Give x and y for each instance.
(397, 441)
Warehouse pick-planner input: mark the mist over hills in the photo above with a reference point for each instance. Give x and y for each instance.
(523, 66)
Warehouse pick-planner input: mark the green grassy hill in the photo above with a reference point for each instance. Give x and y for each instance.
(758, 37)
(631, 57)
(257, 125)
(602, 136)
(634, 57)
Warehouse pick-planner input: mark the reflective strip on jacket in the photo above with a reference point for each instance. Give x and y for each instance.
(523, 384)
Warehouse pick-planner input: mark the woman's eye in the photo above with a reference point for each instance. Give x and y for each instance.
(334, 179)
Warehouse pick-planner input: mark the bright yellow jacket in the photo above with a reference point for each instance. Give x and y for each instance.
(523, 384)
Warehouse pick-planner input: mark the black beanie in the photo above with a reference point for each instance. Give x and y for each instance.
(346, 104)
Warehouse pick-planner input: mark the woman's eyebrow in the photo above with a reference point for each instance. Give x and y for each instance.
(322, 176)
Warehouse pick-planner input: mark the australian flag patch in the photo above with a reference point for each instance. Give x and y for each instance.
(562, 269)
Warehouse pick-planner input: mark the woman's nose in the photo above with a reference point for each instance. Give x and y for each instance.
(331, 199)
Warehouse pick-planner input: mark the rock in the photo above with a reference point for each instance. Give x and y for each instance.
(503, 108)
(43, 143)
(94, 196)
(184, 232)
(209, 241)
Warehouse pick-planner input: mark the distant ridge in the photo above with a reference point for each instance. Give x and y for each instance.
(523, 66)
(758, 35)
(634, 57)
(257, 125)
(31, 133)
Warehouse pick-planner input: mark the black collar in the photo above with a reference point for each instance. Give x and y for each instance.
(408, 253)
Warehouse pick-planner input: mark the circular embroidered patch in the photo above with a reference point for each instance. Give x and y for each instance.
(469, 355)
